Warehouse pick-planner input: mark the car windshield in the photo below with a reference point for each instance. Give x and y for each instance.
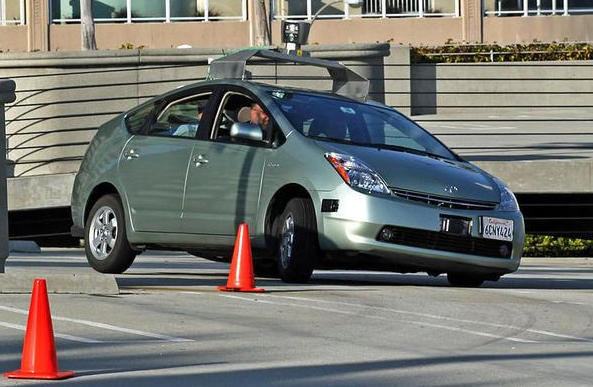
(338, 120)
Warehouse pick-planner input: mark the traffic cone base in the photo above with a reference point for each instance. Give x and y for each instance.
(249, 290)
(241, 278)
(18, 374)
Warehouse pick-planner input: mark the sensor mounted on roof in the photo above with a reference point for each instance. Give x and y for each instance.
(345, 81)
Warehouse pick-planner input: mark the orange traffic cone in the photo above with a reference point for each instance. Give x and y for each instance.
(241, 273)
(39, 360)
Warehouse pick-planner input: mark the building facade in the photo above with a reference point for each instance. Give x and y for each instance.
(54, 25)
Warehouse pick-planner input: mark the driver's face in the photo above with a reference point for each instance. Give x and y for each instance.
(258, 116)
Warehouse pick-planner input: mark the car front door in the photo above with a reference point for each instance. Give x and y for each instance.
(153, 164)
(225, 174)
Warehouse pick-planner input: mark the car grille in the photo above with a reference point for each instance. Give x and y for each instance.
(445, 242)
(445, 202)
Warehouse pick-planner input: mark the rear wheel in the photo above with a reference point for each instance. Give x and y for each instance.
(297, 241)
(106, 243)
(464, 280)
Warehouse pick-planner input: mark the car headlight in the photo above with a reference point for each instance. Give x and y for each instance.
(356, 174)
(508, 201)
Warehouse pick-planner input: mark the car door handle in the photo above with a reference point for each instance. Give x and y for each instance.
(200, 159)
(131, 154)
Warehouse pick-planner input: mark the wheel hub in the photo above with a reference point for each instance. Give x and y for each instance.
(103, 232)
(287, 240)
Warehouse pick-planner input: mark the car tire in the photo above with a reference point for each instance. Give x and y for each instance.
(464, 280)
(297, 248)
(106, 243)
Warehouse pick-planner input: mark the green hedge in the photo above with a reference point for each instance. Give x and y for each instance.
(548, 246)
(472, 53)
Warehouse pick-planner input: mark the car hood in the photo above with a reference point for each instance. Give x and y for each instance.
(420, 173)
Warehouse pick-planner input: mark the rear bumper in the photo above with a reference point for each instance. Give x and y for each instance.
(354, 228)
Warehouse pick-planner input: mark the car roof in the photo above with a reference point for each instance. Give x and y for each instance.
(259, 87)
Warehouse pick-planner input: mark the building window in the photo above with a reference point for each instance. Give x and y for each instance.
(537, 7)
(305, 9)
(137, 11)
(12, 12)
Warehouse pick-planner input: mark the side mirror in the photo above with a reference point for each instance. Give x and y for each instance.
(247, 131)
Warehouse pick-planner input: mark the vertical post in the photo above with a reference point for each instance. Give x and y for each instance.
(128, 11)
(7, 95)
(383, 9)
(420, 8)
(525, 8)
(206, 10)
(309, 10)
(38, 18)
(472, 17)
(565, 6)
(87, 26)
(3, 12)
(554, 7)
(457, 11)
(22, 12)
(167, 11)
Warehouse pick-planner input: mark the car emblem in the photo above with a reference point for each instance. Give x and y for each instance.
(451, 189)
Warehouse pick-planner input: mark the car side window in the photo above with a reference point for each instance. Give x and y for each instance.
(136, 120)
(239, 108)
(180, 118)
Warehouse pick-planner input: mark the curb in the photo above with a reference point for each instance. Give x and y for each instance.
(96, 284)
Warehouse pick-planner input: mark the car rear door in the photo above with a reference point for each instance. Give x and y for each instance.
(153, 164)
(224, 176)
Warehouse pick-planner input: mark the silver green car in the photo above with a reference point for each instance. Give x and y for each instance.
(323, 181)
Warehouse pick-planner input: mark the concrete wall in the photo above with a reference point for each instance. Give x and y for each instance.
(500, 87)
(13, 38)
(63, 97)
(154, 35)
(574, 28)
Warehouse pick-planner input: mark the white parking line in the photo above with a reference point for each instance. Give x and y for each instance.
(446, 327)
(60, 335)
(104, 326)
(437, 317)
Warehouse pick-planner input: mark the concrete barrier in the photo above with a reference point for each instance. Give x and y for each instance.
(19, 283)
(7, 95)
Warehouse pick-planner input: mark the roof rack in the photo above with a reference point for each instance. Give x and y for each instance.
(345, 81)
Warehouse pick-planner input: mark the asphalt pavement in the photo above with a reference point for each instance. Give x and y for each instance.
(169, 326)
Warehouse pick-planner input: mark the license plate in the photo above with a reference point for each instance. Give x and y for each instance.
(496, 228)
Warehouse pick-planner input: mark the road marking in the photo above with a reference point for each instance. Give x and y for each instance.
(437, 317)
(104, 326)
(60, 335)
(446, 327)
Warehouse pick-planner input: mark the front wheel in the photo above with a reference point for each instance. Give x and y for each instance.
(297, 241)
(106, 244)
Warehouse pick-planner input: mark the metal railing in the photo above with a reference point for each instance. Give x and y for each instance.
(127, 15)
(529, 8)
(8, 18)
(376, 9)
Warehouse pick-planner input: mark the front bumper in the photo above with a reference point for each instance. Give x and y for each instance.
(354, 228)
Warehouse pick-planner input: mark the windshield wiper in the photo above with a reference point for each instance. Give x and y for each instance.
(396, 148)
